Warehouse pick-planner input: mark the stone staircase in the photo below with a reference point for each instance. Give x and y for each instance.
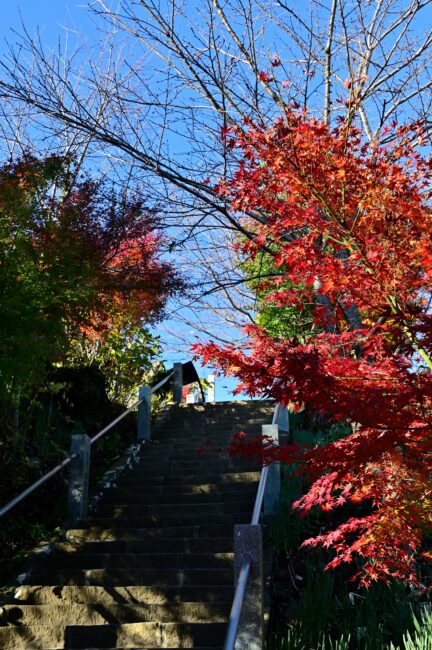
(153, 566)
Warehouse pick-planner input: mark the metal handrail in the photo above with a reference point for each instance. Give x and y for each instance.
(236, 608)
(16, 500)
(240, 592)
(114, 422)
(162, 382)
(263, 479)
(259, 496)
(35, 485)
(276, 413)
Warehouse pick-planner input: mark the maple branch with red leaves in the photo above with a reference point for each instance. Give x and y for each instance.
(362, 222)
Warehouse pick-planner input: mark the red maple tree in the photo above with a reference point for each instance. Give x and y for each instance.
(349, 224)
(78, 261)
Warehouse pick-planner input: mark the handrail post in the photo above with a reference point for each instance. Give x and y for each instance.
(144, 413)
(248, 544)
(79, 477)
(211, 388)
(178, 383)
(272, 491)
(283, 420)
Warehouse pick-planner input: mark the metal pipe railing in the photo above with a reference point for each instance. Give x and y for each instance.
(260, 496)
(162, 382)
(14, 502)
(20, 497)
(114, 422)
(240, 592)
(276, 413)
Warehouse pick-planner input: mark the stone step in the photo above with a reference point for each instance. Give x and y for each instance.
(130, 497)
(139, 595)
(225, 477)
(147, 648)
(122, 577)
(221, 411)
(153, 521)
(153, 567)
(95, 533)
(113, 613)
(193, 429)
(79, 560)
(131, 635)
(194, 464)
(213, 414)
(174, 545)
(177, 510)
(185, 489)
(187, 440)
(197, 423)
(174, 474)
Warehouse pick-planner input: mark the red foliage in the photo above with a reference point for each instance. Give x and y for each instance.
(102, 246)
(351, 222)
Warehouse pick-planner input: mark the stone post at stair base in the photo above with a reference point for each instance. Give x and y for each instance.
(248, 544)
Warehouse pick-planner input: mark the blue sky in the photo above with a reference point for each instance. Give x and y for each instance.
(50, 17)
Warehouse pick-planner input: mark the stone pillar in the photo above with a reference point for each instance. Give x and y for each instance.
(248, 544)
(283, 420)
(178, 382)
(79, 477)
(272, 491)
(144, 413)
(211, 388)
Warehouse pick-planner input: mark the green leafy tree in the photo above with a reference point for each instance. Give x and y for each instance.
(79, 263)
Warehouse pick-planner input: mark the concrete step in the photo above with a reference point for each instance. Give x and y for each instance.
(185, 489)
(194, 464)
(174, 474)
(153, 567)
(113, 613)
(122, 577)
(187, 440)
(95, 532)
(153, 521)
(130, 497)
(174, 545)
(225, 477)
(79, 560)
(140, 595)
(132, 635)
(177, 510)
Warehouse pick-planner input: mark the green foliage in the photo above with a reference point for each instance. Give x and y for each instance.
(73, 400)
(317, 609)
(126, 357)
(281, 321)
(295, 638)
(38, 289)
(81, 280)
(421, 639)
(80, 277)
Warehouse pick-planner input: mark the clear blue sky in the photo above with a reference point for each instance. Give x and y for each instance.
(50, 17)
